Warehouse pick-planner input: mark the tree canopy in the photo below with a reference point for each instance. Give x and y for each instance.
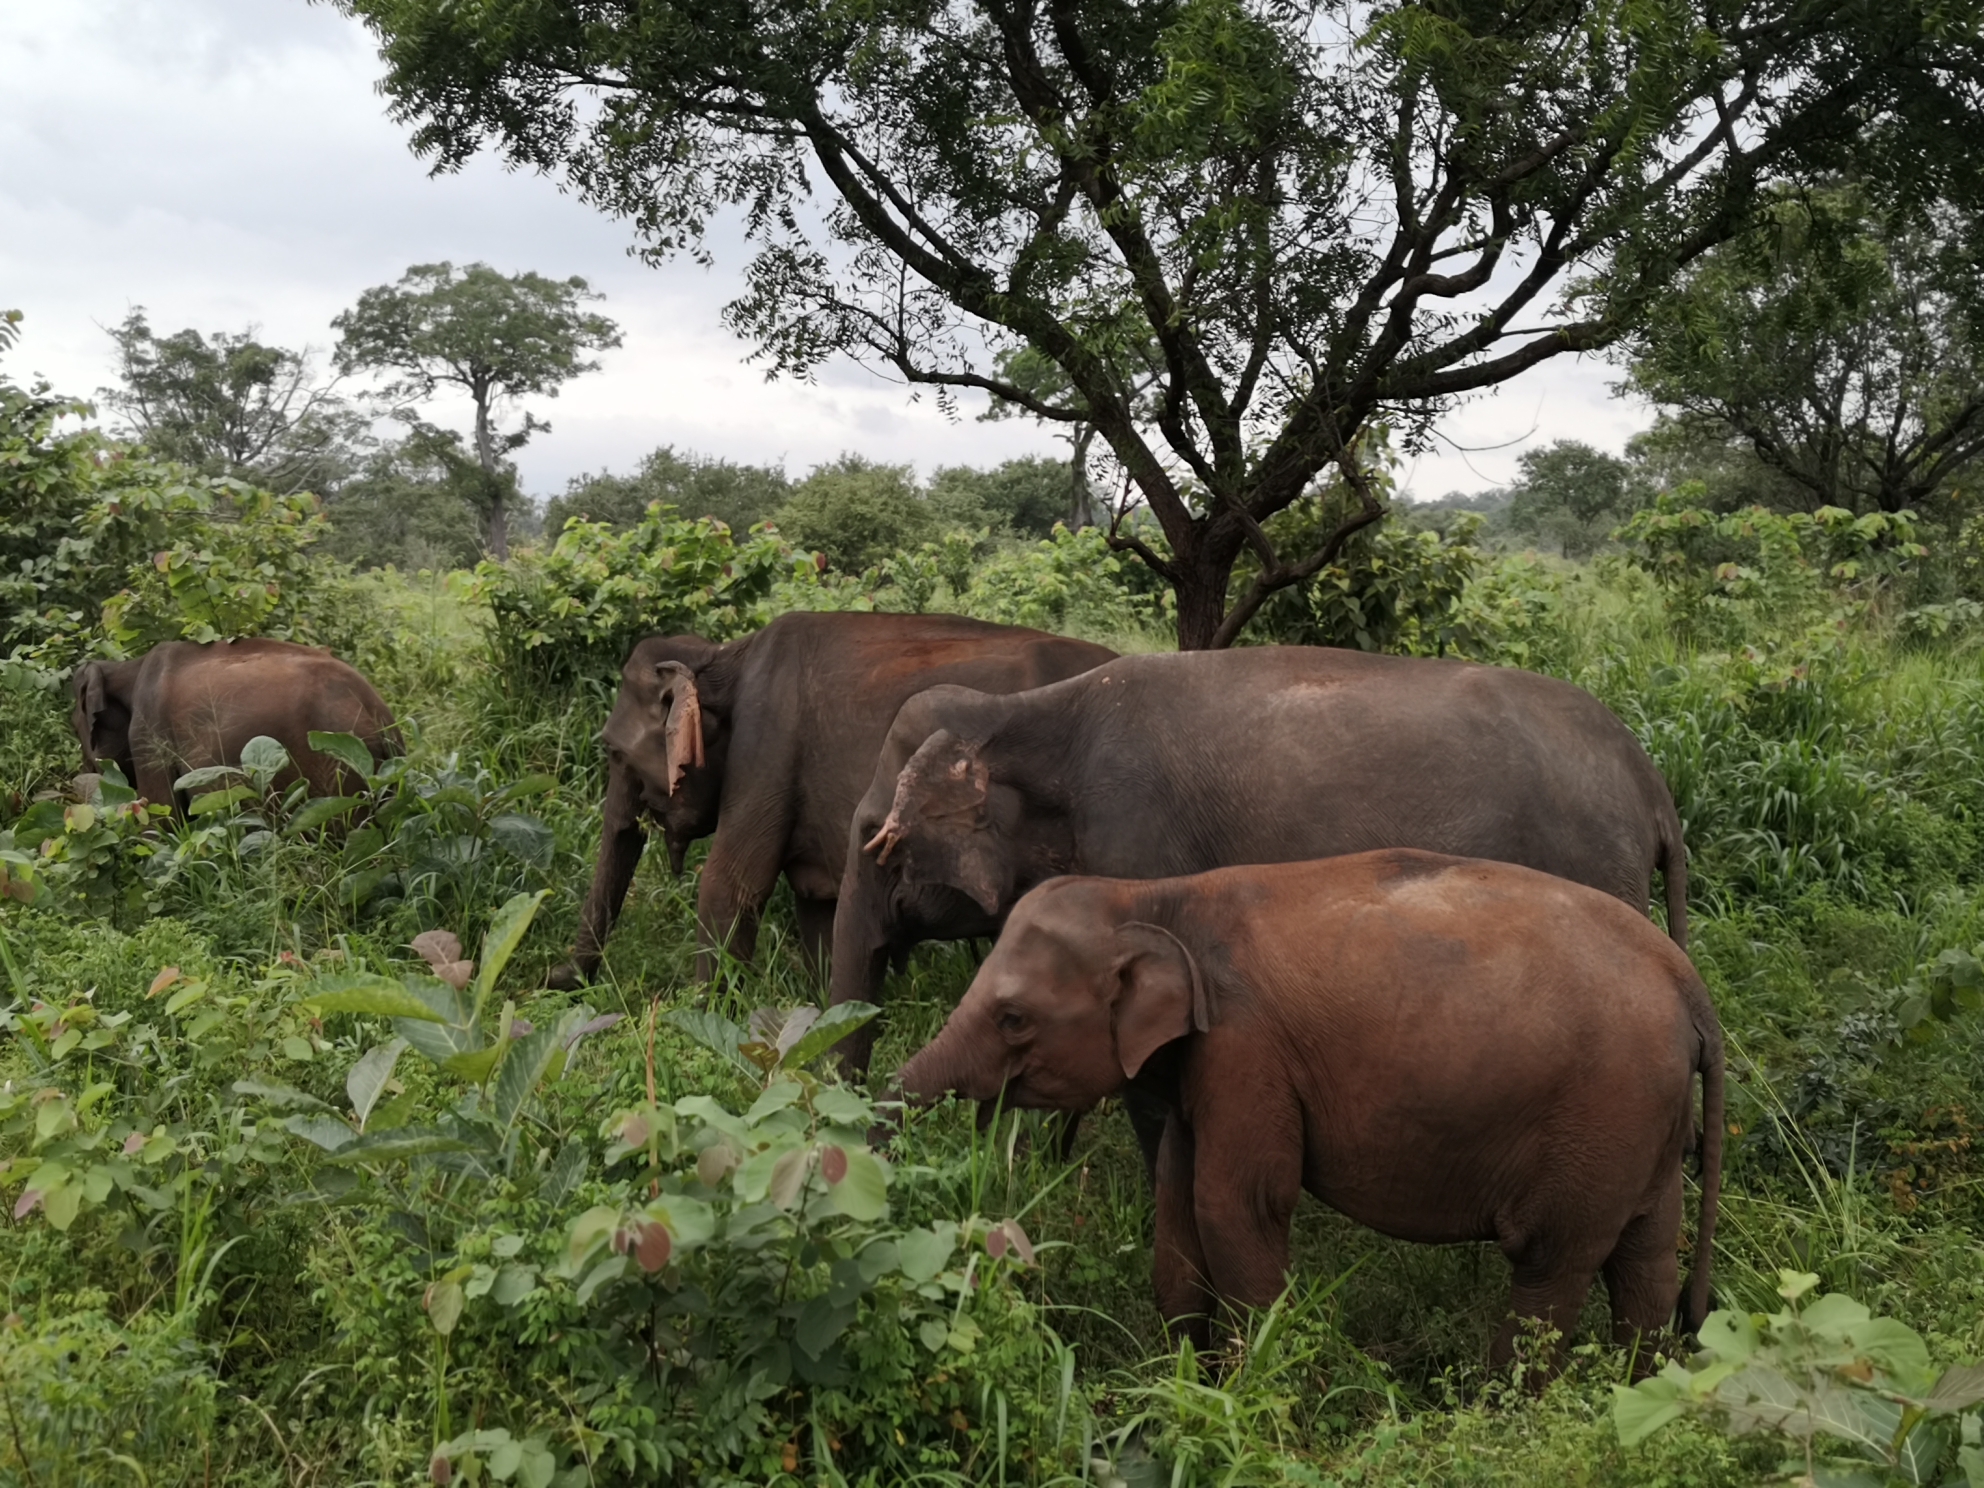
(1572, 496)
(1844, 344)
(498, 337)
(1291, 220)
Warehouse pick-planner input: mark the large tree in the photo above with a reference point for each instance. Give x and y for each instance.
(1298, 218)
(497, 337)
(1572, 495)
(1843, 343)
(228, 403)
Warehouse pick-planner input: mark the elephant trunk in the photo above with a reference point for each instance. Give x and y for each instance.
(967, 1058)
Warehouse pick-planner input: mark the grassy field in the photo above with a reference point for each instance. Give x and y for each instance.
(204, 1286)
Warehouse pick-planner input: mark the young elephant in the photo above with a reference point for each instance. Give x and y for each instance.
(185, 705)
(1444, 1049)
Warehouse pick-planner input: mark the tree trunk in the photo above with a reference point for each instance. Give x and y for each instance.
(1200, 587)
(492, 478)
(1080, 505)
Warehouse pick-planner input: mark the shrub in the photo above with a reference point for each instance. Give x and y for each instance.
(574, 612)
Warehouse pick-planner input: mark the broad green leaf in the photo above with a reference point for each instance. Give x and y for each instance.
(1971, 1460)
(474, 1066)
(367, 1080)
(346, 749)
(524, 838)
(207, 775)
(217, 801)
(933, 1332)
(788, 1177)
(924, 1252)
(513, 1283)
(835, 1024)
(405, 1142)
(1958, 1390)
(62, 1203)
(327, 1132)
(523, 1068)
(776, 1098)
(278, 1095)
(529, 785)
(566, 1169)
(713, 1031)
(842, 1107)
(537, 1466)
(863, 1193)
(1729, 1335)
(264, 758)
(1895, 1348)
(444, 1306)
(324, 809)
(820, 1323)
(689, 1221)
(1835, 1315)
(362, 992)
(591, 1230)
(1639, 1411)
(506, 933)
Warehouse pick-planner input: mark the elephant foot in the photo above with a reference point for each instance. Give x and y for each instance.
(566, 978)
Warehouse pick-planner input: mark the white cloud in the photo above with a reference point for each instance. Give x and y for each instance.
(227, 162)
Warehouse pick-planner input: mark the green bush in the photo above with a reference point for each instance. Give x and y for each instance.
(573, 612)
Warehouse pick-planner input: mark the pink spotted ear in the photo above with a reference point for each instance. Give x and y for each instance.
(682, 733)
(1163, 996)
(944, 784)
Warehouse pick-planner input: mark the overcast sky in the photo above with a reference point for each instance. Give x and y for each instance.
(228, 162)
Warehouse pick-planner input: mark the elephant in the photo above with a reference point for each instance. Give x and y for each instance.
(1443, 1049)
(185, 705)
(767, 742)
(1159, 765)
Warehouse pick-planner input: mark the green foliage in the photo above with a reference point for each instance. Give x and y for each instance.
(1855, 1395)
(414, 502)
(1071, 582)
(856, 513)
(1841, 341)
(1571, 496)
(572, 614)
(229, 405)
(1021, 498)
(739, 496)
(493, 336)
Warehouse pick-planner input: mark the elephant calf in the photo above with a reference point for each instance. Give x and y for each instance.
(184, 706)
(1444, 1049)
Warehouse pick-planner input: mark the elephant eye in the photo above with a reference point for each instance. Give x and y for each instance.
(1011, 1022)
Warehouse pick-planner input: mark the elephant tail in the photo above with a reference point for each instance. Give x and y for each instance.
(1673, 864)
(1709, 1062)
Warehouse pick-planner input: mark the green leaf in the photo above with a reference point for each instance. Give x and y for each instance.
(537, 1466)
(835, 1024)
(367, 1080)
(842, 1107)
(1728, 1335)
(327, 1132)
(444, 1306)
(524, 1068)
(523, 837)
(713, 1031)
(346, 749)
(529, 785)
(278, 1095)
(1642, 1409)
(324, 809)
(1958, 1390)
(513, 1283)
(1971, 1460)
(820, 1323)
(506, 933)
(216, 801)
(391, 1145)
(924, 1251)
(200, 779)
(933, 1332)
(264, 758)
(863, 1193)
(365, 993)
(689, 1221)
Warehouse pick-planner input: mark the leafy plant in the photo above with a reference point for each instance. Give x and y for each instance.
(1855, 1394)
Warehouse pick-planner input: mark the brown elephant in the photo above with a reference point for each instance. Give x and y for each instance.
(768, 742)
(185, 705)
(1153, 766)
(1444, 1049)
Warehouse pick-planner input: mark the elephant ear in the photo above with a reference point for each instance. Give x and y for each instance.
(682, 729)
(1163, 997)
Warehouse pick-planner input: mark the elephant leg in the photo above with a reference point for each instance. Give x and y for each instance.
(738, 878)
(1553, 1276)
(1248, 1176)
(816, 932)
(1643, 1273)
(621, 842)
(1147, 1112)
(1179, 1273)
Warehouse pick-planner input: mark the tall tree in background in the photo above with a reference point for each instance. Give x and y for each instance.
(497, 337)
(229, 404)
(1572, 496)
(1844, 346)
(1318, 215)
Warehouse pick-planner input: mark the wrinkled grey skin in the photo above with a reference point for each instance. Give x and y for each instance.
(185, 706)
(791, 719)
(1444, 1049)
(1159, 765)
